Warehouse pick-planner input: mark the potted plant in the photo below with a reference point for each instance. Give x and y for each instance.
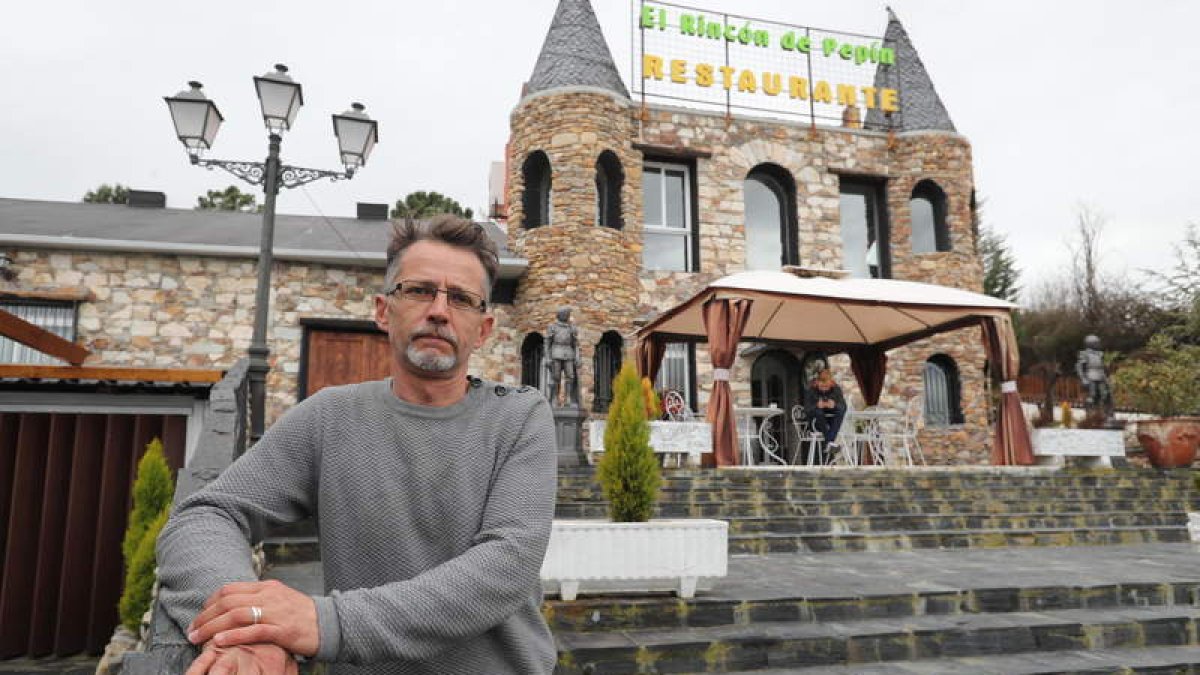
(1164, 380)
(631, 552)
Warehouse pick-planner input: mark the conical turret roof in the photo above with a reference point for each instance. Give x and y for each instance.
(920, 106)
(575, 53)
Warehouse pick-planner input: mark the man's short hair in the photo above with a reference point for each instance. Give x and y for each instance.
(447, 229)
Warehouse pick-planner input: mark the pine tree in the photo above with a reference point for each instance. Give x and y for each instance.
(629, 473)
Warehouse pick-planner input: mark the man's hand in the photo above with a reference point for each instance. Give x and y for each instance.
(286, 618)
(244, 660)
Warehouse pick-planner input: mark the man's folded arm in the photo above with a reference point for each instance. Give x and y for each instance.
(206, 543)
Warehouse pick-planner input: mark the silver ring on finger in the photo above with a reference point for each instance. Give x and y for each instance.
(256, 614)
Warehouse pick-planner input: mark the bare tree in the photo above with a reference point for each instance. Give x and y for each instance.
(1085, 262)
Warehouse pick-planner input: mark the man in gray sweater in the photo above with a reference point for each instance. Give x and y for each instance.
(433, 492)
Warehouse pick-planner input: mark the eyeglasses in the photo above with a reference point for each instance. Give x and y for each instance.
(427, 292)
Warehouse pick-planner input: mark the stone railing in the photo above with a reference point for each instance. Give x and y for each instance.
(222, 440)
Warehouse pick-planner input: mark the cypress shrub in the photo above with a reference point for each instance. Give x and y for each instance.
(153, 490)
(139, 575)
(628, 471)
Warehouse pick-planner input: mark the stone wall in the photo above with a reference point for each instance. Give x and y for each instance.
(196, 312)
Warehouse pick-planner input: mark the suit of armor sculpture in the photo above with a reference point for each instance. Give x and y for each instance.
(1090, 369)
(562, 346)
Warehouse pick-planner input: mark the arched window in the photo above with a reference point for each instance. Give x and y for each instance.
(943, 392)
(536, 199)
(609, 179)
(606, 363)
(928, 209)
(532, 352)
(770, 196)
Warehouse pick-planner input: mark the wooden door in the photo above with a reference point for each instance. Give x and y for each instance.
(345, 357)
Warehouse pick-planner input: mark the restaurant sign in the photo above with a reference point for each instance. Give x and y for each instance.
(727, 62)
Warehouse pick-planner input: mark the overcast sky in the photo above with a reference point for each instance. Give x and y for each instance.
(1065, 103)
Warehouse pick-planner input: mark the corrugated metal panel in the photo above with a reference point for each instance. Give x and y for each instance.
(65, 493)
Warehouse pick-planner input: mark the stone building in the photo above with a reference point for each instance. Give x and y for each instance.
(614, 207)
(623, 209)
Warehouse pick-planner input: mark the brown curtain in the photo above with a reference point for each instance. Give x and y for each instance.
(870, 367)
(1012, 444)
(724, 320)
(649, 356)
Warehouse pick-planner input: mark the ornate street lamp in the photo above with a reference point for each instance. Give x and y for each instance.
(196, 123)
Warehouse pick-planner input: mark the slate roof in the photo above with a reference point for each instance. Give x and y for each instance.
(118, 223)
(574, 53)
(920, 106)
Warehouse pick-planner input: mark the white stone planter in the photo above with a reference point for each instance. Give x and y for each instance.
(598, 556)
(1051, 446)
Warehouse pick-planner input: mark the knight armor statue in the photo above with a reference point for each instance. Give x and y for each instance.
(562, 340)
(1090, 368)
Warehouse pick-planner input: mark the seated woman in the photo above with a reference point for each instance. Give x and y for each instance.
(825, 405)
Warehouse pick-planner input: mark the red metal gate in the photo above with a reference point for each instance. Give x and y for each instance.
(65, 494)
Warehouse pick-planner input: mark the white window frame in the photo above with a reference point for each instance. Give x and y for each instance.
(684, 232)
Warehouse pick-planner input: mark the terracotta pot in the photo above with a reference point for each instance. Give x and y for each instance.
(1170, 442)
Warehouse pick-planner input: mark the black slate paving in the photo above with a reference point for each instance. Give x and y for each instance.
(865, 574)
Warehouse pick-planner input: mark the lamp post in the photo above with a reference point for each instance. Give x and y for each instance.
(197, 120)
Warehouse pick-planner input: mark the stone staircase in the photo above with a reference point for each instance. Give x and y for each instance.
(1051, 571)
(885, 510)
(981, 570)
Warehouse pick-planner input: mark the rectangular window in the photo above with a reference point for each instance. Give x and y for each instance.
(56, 317)
(677, 371)
(667, 206)
(866, 252)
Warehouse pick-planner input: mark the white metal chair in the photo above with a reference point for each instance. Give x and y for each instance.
(769, 444)
(807, 434)
(676, 407)
(899, 436)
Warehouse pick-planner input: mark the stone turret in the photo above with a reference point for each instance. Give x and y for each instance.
(920, 106)
(572, 177)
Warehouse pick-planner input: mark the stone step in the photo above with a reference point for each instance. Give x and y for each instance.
(921, 478)
(766, 543)
(924, 523)
(600, 613)
(784, 508)
(1157, 660)
(792, 644)
(301, 549)
(751, 496)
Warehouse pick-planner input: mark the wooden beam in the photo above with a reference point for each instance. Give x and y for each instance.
(64, 294)
(20, 330)
(110, 373)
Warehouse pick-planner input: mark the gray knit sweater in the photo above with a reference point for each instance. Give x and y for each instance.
(433, 525)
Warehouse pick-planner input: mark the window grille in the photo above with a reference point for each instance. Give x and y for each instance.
(606, 363)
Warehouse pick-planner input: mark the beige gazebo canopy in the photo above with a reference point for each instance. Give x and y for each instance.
(862, 317)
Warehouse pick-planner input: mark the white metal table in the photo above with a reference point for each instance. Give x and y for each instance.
(750, 432)
(865, 429)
